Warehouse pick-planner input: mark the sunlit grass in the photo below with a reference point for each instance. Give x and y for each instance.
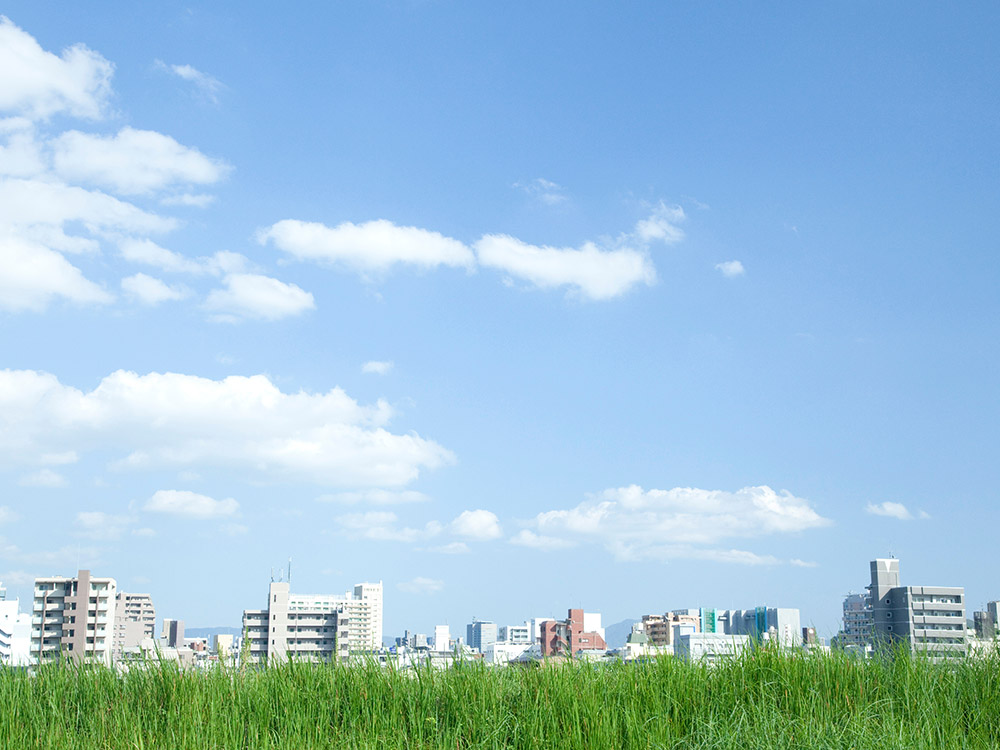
(762, 700)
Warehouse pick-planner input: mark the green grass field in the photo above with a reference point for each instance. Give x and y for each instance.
(762, 700)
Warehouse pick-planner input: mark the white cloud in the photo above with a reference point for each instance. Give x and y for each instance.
(38, 84)
(31, 276)
(381, 526)
(803, 563)
(147, 252)
(101, 526)
(208, 86)
(660, 226)
(195, 200)
(452, 548)
(43, 478)
(186, 504)
(636, 524)
(150, 291)
(27, 204)
(895, 510)
(253, 296)
(478, 525)
(594, 273)
(133, 162)
(544, 190)
(528, 538)
(372, 247)
(22, 156)
(184, 422)
(731, 268)
(421, 585)
(7, 515)
(17, 578)
(375, 497)
(376, 367)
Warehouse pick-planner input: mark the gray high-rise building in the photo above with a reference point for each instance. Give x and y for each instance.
(858, 630)
(924, 618)
(480, 633)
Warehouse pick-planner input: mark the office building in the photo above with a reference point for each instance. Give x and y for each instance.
(135, 620)
(173, 633)
(73, 618)
(442, 638)
(316, 627)
(984, 627)
(930, 619)
(480, 633)
(776, 624)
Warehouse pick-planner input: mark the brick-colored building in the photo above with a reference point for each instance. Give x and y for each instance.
(568, 636)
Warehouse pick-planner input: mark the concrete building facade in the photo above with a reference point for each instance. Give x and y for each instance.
(316, 627)
(135, 620)
(570, 636)
(15, 633)
(925, 618)
(481, 633)
(858, 627)
(74, 618)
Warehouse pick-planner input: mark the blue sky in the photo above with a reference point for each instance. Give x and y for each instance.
(627, 307)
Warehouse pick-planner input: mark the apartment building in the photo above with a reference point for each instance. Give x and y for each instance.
(135, 620)
(316, 627)
(15, 632)
(580, 631)
(73, 617)
(925, 618)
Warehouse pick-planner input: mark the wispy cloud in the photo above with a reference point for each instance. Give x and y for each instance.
(376, 367)
(731, 268)
(421, 585)
(546, 191)
(895, 510)
(206, 85)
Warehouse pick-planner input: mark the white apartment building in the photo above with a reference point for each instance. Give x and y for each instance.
(515, 634)
(316, 627)
(73, 617)
(15, 633)
(135, 620)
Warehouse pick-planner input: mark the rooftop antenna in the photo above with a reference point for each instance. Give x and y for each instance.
(272, 575)
(289, 572)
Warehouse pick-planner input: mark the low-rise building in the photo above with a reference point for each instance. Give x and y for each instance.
(710, 647)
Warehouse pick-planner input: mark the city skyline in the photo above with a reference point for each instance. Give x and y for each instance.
(621, 309)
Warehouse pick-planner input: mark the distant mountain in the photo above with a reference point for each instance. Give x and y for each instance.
(209, 632)
(616, 635)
